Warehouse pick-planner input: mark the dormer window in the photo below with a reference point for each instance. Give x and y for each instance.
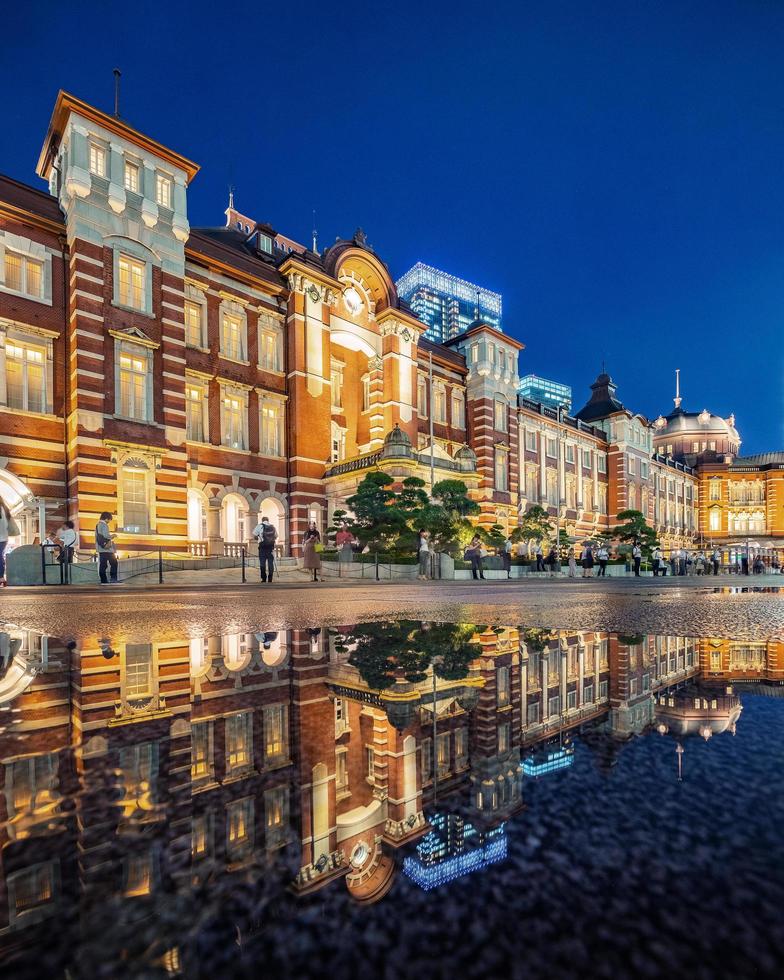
(265, 243)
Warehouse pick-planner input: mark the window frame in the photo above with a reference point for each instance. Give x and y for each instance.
(266, 449)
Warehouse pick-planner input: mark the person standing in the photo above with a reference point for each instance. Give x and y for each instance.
(344, 539)
(681, 561)
(473, 553)
(716, 559)
(8, 529)
(539, 557)
(266, 535)
(553, 561)
(602, 556)
(506, 556)
(637, 558)
(310, 544)
(423, 550)
(67, 538)
(699, 561)
(586, 559)
(658, 561)
(572, 563)
(105, 546)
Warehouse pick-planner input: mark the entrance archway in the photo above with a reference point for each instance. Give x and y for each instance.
(275, 512)
(234, 519)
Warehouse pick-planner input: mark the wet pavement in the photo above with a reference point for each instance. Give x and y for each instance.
(727, 606)
(391, 797)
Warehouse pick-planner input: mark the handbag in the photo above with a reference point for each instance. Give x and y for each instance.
(318, 548)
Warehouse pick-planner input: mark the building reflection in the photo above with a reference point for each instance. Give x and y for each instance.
(133, 771)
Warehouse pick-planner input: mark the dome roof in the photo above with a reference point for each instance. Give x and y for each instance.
(682, 423)
(397, 437)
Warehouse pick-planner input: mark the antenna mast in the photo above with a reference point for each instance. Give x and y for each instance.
(117, 74)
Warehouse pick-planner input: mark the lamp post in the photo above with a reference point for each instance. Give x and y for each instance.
(430, 396)
(558, 493)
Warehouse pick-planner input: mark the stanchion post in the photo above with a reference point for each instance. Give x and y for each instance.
(243, 563)
(377, 566)
(160, 566)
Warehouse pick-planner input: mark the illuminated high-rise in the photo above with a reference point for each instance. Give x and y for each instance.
(447, 304)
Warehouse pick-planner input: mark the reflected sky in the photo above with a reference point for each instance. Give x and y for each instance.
(208, 798)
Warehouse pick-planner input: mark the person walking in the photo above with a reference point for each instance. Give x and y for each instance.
(473, 553)
(586, 559)
(423, 550)
(572, 563)
(602, 556)
(637, 558)
(506, 556)
(8, 529)
(716, 559)
(311, 557)
(105, 546)
(553, 561)
(539, 557)
(344, 539)
(266, 535)
(657, 561)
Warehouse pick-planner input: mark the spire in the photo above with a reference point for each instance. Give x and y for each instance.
(678, 398)
(231, 197)
(315, 233)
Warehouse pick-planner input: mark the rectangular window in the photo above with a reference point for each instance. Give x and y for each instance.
(501, 469)
(632, 465)
(503, 737)
(531, 485)
(500, 422)
(163, 190)
(25, 377)
(604, 689)
(341, 770)
(586, 459)
(551, 447)
(502, 686)
(644, 470)
(131, 177)
(533, 713)
(276, 816)
(239, 741)
(133, 387)
(239, 826)
(132, 292)
(370, 763)
(715, 489)
(461, 747)
(136, 508)
(265, 243)
(271, 428)
(138, 670)
(201, 750)
(421, 397)
(341, 717)
(571, 699)
(195, 413)
(554, 704)
(270, 359)
(439, 404)
(336, 378)
(426, 760)
(276, 736)
(97, 160)
(458, 410)
(233, 337)
(715, 519)
(443, 758)
(201, 833)
(33, 887)
(588, 693)
(530, 440)
(194, 329)
(569, 453)
(365, 392)
(234, 413)
(24, 275)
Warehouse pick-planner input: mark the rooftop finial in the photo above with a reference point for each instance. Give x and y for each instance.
(315, 233)
(678, 398)
(117, 74)
(231, 196)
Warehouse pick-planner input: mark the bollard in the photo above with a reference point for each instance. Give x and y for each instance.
(377, 566)
(243, 564)
(160, 566)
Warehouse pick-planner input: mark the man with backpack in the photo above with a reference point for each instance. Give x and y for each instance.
(266, 535)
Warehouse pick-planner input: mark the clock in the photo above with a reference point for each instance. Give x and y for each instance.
(353, 300)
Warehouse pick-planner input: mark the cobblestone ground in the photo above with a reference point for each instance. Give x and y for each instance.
(728, 607)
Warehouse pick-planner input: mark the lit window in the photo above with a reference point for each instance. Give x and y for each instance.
(270, 342)
(132, 291)
(163, 190)
(133, 387)
(503, 738)
(271, 427)
(530, 440)
(458, 410)
(715, 519)
(461, 746)
(239, 741)
(501, 469)
(25, 377)
(138, 670)
(422, 397)
(336, 378)
(276, 741)
(338, 443)
(276, 816)
(201, 832)
(195, 413)
(715, 490)
(239, 826)
(24, 275)
(201, 749)
(131, 177)
(233, 337)
(233, 422)
(500, 415)
(370, 763)
(135, 503)
(194, 325)
(265, 242)
(341, 770)
(97, 160)
(443, 757)
(502, 686)
(32, 888)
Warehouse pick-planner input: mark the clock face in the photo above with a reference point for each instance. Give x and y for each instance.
(353, 300)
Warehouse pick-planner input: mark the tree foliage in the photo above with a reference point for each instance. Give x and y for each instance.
(635, 529)
(535, 525)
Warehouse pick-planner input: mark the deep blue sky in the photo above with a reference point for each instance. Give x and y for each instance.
(614, 169)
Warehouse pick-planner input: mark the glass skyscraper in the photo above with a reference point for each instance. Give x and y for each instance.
(447, 305)
(551, 393)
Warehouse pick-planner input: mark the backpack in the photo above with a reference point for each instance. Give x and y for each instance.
(268, 536)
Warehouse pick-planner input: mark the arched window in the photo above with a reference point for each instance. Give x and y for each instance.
(234, 513)
(197, 516)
